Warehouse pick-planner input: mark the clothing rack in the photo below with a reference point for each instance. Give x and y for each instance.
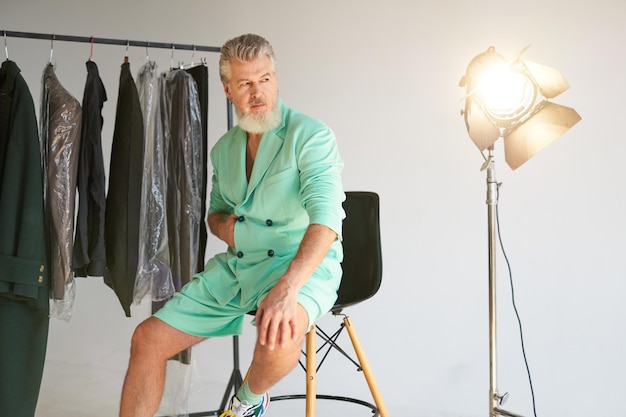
(127, 42)
(236, 379)
(109, 41)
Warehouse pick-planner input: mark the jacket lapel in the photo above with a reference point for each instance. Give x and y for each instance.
(271, 143)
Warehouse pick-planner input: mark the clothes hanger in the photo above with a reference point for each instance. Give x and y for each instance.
(6, 48)
(152, 64)
(181, 64)
(126, 54)
(91, 48)
(203, 60)
(51, 48)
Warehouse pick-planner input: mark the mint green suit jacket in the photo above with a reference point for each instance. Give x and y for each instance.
(295, 181)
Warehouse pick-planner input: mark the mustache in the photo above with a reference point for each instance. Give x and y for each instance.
(255, 102)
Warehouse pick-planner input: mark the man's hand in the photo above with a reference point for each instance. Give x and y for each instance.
(222, 225)
(276, 316)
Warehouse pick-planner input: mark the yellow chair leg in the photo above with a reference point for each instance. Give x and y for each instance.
(367, 372)
(311, 372)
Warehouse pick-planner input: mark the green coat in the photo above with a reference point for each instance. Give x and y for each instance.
(24, 281)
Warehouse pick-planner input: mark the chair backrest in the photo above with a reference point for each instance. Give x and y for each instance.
(362, 262)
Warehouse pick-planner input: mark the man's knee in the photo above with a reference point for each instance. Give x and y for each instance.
(287, 354)
(150, 338)
(141, 337)
(155, 338)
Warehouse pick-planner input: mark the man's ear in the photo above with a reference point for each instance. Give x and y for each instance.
(226, 91)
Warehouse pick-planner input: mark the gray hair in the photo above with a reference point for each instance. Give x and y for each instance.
(244, 48)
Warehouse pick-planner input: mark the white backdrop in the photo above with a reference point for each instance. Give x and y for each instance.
(384, 76)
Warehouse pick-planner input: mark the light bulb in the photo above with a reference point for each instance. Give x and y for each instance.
(506, 94)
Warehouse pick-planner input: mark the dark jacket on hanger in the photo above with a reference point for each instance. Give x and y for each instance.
(23, 261)
(89, 248)
(124, 195)
(61, 116)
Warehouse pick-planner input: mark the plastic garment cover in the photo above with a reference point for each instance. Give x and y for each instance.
(200, 74)
(153, 270)
(182, 133)
(60, 129)
(177, 389)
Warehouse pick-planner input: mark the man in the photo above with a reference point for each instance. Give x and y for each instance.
(276, 201)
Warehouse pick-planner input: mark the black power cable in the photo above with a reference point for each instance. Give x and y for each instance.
(519, 321)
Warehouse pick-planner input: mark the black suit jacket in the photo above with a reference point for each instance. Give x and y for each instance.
(89, 256)
(124, 194)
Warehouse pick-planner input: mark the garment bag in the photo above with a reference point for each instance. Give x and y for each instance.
(200, 74)
(61, 118)
(180, 124)
(154, 275)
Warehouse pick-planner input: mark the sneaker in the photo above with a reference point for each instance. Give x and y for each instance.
(239, 409)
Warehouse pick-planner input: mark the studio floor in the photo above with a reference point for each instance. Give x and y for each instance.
(95, 393)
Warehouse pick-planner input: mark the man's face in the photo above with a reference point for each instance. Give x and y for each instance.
(253, 90)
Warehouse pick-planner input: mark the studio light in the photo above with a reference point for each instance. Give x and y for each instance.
(509, 100)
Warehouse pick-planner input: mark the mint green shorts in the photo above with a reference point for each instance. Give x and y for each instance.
(196, 310)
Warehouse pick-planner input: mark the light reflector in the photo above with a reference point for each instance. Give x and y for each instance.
(508, 99)
(541, 129)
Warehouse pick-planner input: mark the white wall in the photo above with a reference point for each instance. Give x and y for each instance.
(384, 76)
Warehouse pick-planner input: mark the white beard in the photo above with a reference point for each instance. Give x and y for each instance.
(259, 123)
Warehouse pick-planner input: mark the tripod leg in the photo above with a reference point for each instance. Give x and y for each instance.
(235, 381)
(369, 376)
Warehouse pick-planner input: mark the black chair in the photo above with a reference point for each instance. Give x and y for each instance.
(362, 274)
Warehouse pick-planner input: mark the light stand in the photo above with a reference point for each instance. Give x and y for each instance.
(495, 399)
(508, 100)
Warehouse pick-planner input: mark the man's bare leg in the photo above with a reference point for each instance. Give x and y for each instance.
(153, 343)
(270, 366)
